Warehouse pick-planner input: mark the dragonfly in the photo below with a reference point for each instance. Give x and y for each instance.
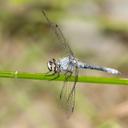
(69, 65)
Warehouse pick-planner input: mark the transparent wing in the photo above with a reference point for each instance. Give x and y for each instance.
(67, 94)
(71, 97)
(65, 91)
(58, 33)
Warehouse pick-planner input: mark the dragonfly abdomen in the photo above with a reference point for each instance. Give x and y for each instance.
(99, 68)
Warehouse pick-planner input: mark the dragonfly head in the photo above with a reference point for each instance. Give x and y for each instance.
(51, 65)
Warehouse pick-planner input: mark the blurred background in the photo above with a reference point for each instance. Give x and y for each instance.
(97, 31)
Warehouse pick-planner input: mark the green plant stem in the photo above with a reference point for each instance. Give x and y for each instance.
(82, 79)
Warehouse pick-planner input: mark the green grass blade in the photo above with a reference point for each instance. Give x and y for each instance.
(82, 79)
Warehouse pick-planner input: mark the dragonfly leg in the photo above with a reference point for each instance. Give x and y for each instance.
(52, 74)
(57, 75)
(49, 73)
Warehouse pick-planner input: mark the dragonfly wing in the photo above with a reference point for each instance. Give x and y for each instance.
(58, 33)
(71, 97)
(65, 91)
(67, 76)
(67, 94)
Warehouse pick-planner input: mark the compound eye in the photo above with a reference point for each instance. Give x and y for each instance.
(50, 65)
